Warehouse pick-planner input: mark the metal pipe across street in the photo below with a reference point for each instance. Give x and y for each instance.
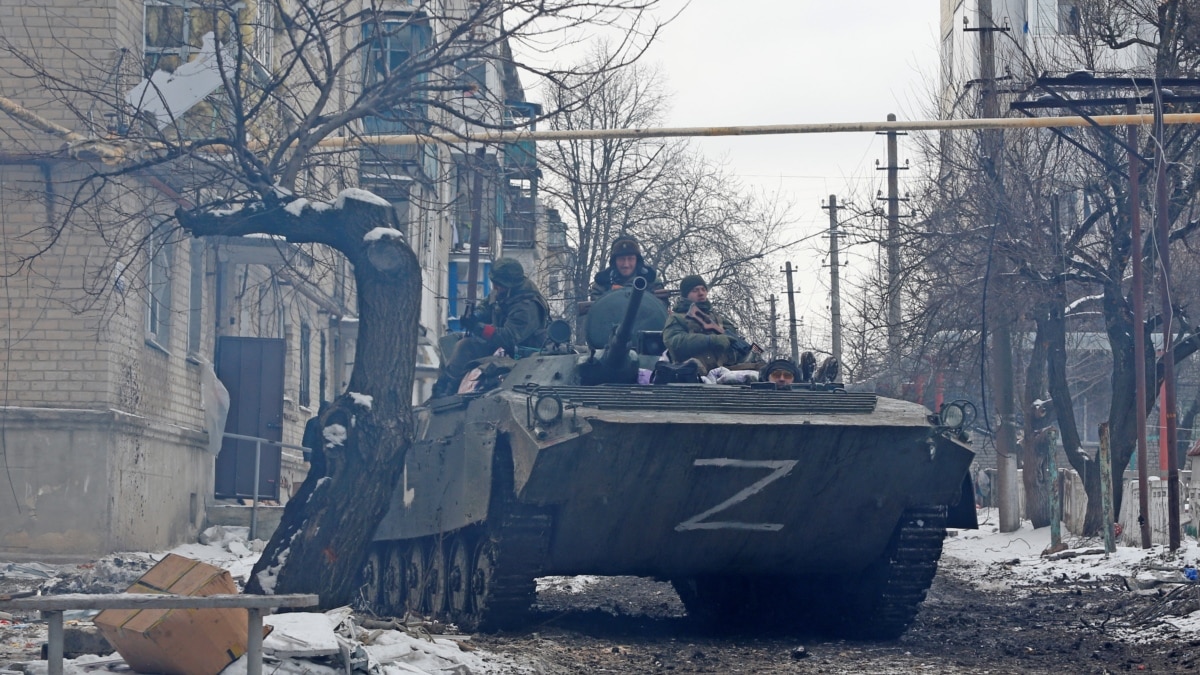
(758, 130)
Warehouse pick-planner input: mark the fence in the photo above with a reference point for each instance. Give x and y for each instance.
(53, 606)
(1074, 505)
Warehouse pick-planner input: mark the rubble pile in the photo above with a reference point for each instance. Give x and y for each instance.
(331, 643)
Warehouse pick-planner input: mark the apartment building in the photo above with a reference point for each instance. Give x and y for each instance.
(1031, 37)
(114, 323)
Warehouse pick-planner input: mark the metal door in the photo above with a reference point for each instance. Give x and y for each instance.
(252, 370)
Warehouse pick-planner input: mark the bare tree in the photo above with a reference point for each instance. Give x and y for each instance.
(267, 153)
(690, 214)
(601, 184)
(699, 219)
(1066, 242)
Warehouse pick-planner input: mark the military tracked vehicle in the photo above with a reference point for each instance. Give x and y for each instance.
(803, 506)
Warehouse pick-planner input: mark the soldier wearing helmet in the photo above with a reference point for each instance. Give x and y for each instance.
(625, 264)
(513, 315)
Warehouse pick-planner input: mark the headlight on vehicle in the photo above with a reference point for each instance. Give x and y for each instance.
(956, 414)
(952, 416)
(548, 409)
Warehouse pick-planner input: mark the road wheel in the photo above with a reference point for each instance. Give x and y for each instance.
(416, 578)
(482, 580)
(394, 591)
(435, 594)
(369, 593)
(458, 580)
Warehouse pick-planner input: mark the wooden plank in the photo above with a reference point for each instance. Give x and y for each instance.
(53, 603)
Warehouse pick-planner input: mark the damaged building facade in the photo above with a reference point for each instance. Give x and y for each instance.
(115, 321)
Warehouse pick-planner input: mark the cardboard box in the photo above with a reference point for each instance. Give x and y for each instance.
(178, 641)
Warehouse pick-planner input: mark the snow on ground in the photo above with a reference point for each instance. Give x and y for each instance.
(1012, 562)
(992, 560)
(308, 643)
(312, 642)
(566, 584)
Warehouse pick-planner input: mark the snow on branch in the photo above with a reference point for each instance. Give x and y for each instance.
(381, 232)
(1083, 301)
(361, 195)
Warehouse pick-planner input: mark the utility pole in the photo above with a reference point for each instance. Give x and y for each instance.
(774, 330)
(1162, 242)
(998, 316)
(835, 295)
(792, 311)
(893, 255)
(1139, 333)
(476, 226)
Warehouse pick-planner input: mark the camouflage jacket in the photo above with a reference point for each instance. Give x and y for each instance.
(686, 338)
(520, 318)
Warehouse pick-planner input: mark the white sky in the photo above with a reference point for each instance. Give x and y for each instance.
(794, 61)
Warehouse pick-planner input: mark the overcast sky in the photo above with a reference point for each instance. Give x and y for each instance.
(792, 61)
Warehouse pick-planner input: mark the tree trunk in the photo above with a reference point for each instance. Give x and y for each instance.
(324, 535)
(1035, 444)
(1006, 433)
(1064, 411)
(1118, 312)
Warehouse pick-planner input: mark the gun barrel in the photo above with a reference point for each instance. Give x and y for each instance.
(616, 353)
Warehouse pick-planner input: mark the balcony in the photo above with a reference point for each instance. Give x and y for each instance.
(405, 159)
(520, 229)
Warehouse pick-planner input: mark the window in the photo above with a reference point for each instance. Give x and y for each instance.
(393, 41)
(305, 365)
(472, 77)
(158, 285)
(464, 216)
(1068, 17)
(174, 31)
(391, 44)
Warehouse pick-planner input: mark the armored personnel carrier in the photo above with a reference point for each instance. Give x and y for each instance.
(799, 506)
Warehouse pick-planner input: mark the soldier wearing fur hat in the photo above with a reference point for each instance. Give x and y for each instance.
(694, 330)
(514, 314)
(625, 264)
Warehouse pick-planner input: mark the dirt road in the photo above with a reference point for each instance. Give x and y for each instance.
(1073, 626)
(1077, 622)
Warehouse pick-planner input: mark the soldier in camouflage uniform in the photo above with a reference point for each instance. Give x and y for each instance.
(513, 315)
(690, 334)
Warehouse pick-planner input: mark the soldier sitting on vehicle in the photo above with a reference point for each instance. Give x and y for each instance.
(695, 331)
(514, 315)
(624, 265)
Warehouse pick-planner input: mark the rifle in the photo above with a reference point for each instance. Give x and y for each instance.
(469, 320)
(740, 346)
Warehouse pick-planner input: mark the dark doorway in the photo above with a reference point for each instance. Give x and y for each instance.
(252, 370)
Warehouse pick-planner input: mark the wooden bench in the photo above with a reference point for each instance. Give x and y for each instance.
(53, 606)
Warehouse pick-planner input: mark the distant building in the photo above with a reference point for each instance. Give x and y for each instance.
(1034, 36)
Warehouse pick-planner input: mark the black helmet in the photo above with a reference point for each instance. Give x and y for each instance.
(507, 272)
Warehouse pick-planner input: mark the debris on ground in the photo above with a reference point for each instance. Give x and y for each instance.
(997, 605)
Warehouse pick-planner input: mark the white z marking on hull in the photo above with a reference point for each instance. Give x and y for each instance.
(781, 468)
